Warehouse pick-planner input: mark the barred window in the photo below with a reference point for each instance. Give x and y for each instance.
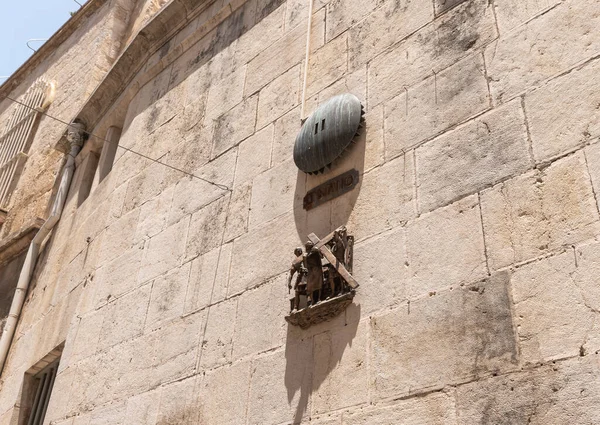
(18, 134)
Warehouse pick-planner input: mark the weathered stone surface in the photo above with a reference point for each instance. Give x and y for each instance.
(284, 136)
(385, 26)
(254, 155)
(374, 138)
(444, 339)
(342, 14)
(327, 64)
(147, 184)
(118, 237)
(392, 186)
(526, 216)
(445, 248)
(191, 194)
(167, 297)
(592, 156)
(553, 315)
(482, 152)
(535, 51)
(442, 6)
(154, 215)
(124, 318)
(274, 193)
(262, 253)
(228, 405)
(208, 278)
(110, 415)
(512, 13)
(239, 212)
(279, 96)
(380, 269)
(340, 368)
(226, 93)
(434, 409)
(441, 101)
(206, 228)
(164, 251)
(561, 393)
(235, 125)
(178, 403)
(218, 336)
(280, 385)
(432, 49)
(564, 114)
(118, 276)
(259, 325)
(143, 408)
(283, 54)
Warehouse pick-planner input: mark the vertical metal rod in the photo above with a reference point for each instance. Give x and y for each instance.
(47, 399)
(36, 401)
(38, 412)
(307, 58)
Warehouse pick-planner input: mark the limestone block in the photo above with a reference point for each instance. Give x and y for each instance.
(266, 31)
(164, 251)
(592, 156)
(561, 393)
(223, 395)
(260, 323)
(143, 408)
(119, 237)
(167, 297)
(239, 211)
(438, 103)
(254, 155)
(160, 142)
(279, 96)
(192, 194)
(111, 415)
(564, 113)
(280, 385)
(193, 150)
(285, 131)
(445, 248)
(235, 125)
(448, 338)
(536, 51)
(553, 318)
(86, 340)
(178, 403)
(207, 228)
(296, 13)
(154, 214)
(512, 13)
(327, 64)
(224, 94)
(194, 113)
(384, 199)
(124, 318)
(262, 253)
(340, 368)
(150, 182)
(342, 14)
(218, 336)
(434, 409)
(380, 269)
(274, 193)
(283, 54)
(208, 278)
(442, 6)
(384, 27)
(118, 276)
(483, 152)
(527, 216)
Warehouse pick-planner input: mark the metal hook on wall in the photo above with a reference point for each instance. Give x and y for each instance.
(35, 39)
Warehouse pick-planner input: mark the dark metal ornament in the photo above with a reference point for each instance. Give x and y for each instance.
(327, 133)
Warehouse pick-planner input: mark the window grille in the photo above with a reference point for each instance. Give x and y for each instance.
(44, 381)
(17, 136)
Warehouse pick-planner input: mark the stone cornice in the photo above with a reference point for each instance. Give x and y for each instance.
(50, 46)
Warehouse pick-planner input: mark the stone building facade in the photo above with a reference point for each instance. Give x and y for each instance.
(163, 293)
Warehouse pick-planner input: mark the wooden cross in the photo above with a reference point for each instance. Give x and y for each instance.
(320, 244)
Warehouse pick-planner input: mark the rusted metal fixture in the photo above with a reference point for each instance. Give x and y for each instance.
(324, 285)
(333, 188)
(328, 133)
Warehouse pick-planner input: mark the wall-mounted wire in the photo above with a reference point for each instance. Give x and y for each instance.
(34, 39)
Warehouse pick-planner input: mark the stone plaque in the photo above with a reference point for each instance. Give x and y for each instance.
(331, 189)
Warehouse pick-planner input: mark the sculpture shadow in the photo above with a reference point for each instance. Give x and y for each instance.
(312, 354)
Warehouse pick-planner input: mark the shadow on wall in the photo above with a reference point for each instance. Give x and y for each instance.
(312, 354)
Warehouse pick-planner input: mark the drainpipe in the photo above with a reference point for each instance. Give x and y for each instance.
(75, 137)
(306, 59)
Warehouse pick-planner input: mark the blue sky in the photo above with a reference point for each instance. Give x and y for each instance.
(22, 20)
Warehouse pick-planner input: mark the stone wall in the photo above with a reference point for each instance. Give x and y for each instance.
(476, 224)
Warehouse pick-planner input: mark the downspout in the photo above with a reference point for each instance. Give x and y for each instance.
(306, 59)
(75, 137)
